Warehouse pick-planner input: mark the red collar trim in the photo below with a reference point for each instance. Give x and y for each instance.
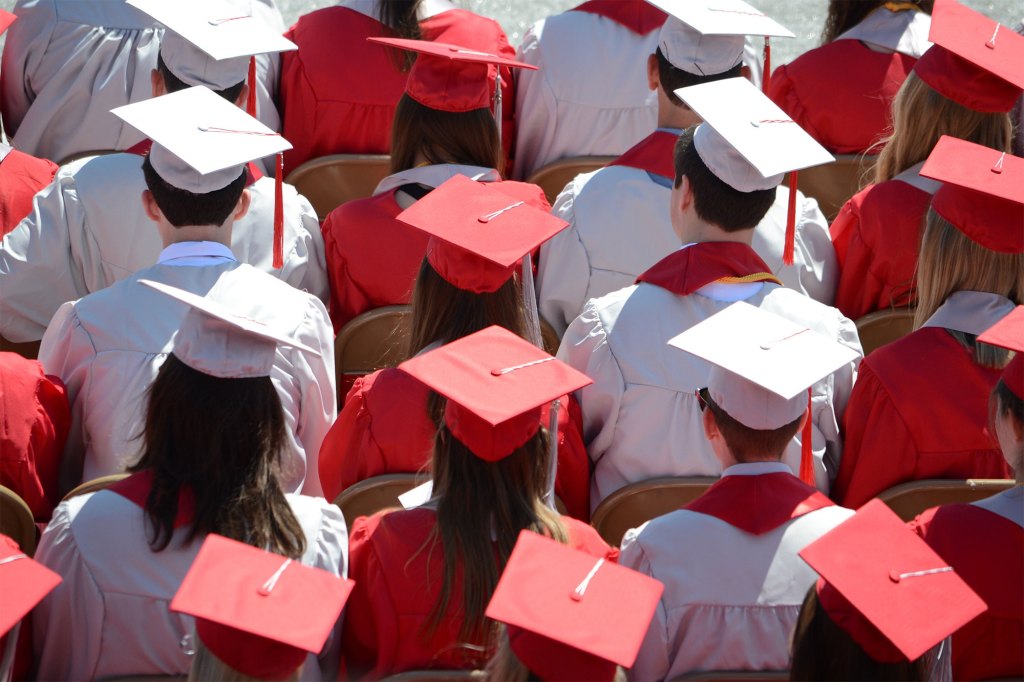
(759, 504)
(638, 16)
(653, 154)
(142, 149)
(136, 489)
(685, 271)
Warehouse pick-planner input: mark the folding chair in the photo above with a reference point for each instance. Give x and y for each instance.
(910, 499)
(376, 339)
(884, 326)
(94, 485)
(735, 676)
(553, 177)
(636, 503)
(374, 494)
(330, 181)
(28, 349)
(834, 183)
(436, 676)
(16, 521)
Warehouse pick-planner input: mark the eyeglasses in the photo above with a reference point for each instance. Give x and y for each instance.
(703, 397)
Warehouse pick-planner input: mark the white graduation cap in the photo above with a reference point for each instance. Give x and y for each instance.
(215, 341)
(723, 17)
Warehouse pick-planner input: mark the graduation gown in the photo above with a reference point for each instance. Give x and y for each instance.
(372, 259)
(21, 176)
(88, 229)
(384, 428)
(339, 92)
(619, 226)
(108, 346)
(35, 423)
(920, 407)
(877, 236)
(110, 616)
(398, 580)
(733, 604)
(984, 542)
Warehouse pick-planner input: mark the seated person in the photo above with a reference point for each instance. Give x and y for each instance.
(23, 584)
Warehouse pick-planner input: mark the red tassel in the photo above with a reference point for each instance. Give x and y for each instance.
(279, 213)
(806, 455)
(250, 106)
(787, 252)
(766, 72)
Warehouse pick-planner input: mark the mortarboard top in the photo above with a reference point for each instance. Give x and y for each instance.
(258, 612)
(6, 19)
(883, 585)
(981, 192)
(477, 233)
(24, 583)
(564, 610)
(975, 61)
(215, 341)
(1009, 333)
(201, 141)
(449, 77)
(496, 384)
(723, 17)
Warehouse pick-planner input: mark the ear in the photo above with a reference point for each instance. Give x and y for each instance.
(684, 193)
(242, 207)
(156, 83)
(653, 79)
(149, 205)
(243, 95)
(711, 431)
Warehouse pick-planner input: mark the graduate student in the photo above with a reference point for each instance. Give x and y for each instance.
(88, 229)
(471, 277)
(918, 408)
(24, 584)
(746, 583)
(641, 417)
(214, 444)
(108, 346)
(619, 215)
(984, 541)
(339, 92)
(443, 127)
(424, 575)
(961, 87)
(841, 91)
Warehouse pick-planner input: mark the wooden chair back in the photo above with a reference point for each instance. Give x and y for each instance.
(28, 349)
(636, 503)
(735, 676)
(374, 494)
(910, 499)
(94, 485)
(16, 521)
(374, 340)
(884, 326)
(86, 154)
(834, 183)
(330, 181)
(553, 177)
(436, 676)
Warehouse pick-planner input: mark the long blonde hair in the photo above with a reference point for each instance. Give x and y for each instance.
(920, 116)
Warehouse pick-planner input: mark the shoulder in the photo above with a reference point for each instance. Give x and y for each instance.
(584, 537)
(526, 191)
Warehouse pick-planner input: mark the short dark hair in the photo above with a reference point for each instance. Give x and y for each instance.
(672, 78)
(183, 208)
(1009, 401)
(747, 444)
(174, 84)
(714, 200)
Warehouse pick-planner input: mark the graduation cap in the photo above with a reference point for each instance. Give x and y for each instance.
(6, 19)
(478, 234)
(201, 143)
(749, 143)
(706, 37)
(215, 341)
(259, 612)
(213, 42)
(24, 583)
(496, 384)
(763, 366)
(886, 588)
(564, 613)
(981, 192)
(975, 61)
(1009, 333)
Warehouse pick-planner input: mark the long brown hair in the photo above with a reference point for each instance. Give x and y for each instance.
(401, 16)
(845, 14)
(221, 439)
(468, 137)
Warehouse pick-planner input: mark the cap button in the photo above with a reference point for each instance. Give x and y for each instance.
(575, 596)
(496, 372)
(755, 124)
(894, 575)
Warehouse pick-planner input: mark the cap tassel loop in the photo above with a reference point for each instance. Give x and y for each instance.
(806, 454)
(279, 212)
(268, 587)
(767, 70)
(581, 589)
(787, 252)
(250, 105)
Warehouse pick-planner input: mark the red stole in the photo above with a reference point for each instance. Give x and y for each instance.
(638, 16)
(759, 504)
(142, 149)
(685, 271)
(136, 489)
(653, 154)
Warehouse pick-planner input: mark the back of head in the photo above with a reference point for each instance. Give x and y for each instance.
(845, 14)
(747, 444)
(672, 78)
(206, 667)
(467, 137)
(183, 208)
(173, 84)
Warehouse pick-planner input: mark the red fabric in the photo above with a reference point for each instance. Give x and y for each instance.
(398, 578)
(841, 93)
(877, 235)
(684, 271)
(372, 259)
(639, 16)
(250, 654)
(654, 154)
(338, 92)
(33, 429)
(993, 222)
(384, 429)
(987, 551)
(907, 421)
(969, 85)
(136, 490)
(21, 176)
(766, 501)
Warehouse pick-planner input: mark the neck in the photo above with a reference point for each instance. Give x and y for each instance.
(673, 115)
(700, 231)
(196, 233)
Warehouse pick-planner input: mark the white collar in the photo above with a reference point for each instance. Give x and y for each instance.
(970, 312)
(194, 253)
(1009, 504)
(756, 469)
(435, 176)
(5, 149)
(427, 8)
(912, 176)
(905, 31)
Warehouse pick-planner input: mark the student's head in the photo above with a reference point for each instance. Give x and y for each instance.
(206, 667)
(182, 208)
(845, 14)
(163, 81)
(736, 443)
(435, 136)
(1006, 416)
(505, 666)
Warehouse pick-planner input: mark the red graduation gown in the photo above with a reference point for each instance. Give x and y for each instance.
(338, 92)
(21, 176)
(372, 259)
(919, 410)
(841, 93)
(987, 551)
(877, 235)
(384, 429)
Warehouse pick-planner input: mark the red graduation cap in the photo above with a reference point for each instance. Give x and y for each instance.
(258, 612)
(478, 234)
(975, 61)
(496, 384)
(24, 583)
(883, 585)
(1009, 333)
(6, 19)
(449, 77)
(981, 192)
(571, 615)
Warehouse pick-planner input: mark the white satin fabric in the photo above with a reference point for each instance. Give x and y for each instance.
(1009, 504)
(970, 312)
(905, 32)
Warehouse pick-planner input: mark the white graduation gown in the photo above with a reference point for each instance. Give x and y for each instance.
(110, 616)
